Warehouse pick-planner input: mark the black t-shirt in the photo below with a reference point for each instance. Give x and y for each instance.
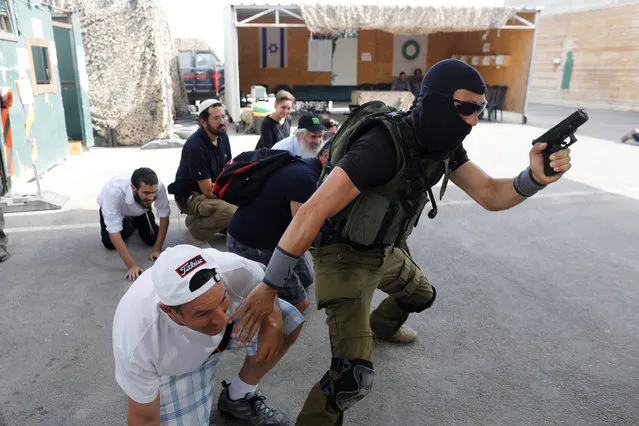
(261, 223)
(371, 160)
(201, 160)
(272, 132)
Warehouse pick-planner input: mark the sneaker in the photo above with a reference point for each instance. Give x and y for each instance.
(251, 408)
(403, 335)
(4, 254)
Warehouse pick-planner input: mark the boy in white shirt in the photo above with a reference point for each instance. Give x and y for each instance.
(171, 327)
(126, 205)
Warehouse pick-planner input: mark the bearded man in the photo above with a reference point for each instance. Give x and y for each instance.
(126, 203)
(204, 154)
(307, 139)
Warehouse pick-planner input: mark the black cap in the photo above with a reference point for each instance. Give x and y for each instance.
(310, 122)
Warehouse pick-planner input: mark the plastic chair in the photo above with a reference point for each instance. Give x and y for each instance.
(490, 95)
(497, 103)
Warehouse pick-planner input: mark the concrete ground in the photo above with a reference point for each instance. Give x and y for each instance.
(536, 319)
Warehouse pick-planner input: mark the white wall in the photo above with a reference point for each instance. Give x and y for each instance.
(201, 19)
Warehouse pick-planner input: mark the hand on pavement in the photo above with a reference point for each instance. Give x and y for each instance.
(133, 273)
(154, 255)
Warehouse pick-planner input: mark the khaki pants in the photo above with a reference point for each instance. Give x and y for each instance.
(345, 280)
(207, 216)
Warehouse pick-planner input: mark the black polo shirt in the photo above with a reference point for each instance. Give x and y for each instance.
(201, 160)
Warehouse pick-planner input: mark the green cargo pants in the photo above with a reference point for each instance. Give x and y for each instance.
(345, 280)
(207, 216)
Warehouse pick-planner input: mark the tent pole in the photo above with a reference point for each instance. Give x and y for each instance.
(231, 65)
(524, 117)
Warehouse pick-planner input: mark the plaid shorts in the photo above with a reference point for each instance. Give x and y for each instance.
(294, 288)
(187, 399)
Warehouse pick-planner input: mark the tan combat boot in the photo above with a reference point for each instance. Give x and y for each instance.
(405, 334)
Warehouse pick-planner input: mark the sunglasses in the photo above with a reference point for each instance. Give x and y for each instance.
(463, 107)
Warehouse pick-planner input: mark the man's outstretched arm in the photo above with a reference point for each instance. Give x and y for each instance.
(133, 270)
(330, 198)
(500, 194)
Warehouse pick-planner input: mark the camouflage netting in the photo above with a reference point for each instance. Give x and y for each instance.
(135, 87)
(405, 19)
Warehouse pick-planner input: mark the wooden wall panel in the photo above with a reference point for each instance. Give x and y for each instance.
(380, 69)
(297, 60)
(516, 43)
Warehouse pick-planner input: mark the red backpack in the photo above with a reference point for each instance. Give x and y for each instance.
(241, 179)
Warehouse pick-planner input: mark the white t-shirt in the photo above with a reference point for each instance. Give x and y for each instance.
(117, 202)
(148, 344)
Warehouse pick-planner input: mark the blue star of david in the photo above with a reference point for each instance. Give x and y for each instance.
(273, 48)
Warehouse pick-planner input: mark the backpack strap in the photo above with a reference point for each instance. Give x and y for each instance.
(226, 339)
(408, 138)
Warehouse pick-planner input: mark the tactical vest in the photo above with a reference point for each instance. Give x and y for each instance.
(385, 214)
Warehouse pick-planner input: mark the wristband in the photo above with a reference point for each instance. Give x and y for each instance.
(526, 185)
(279, 268)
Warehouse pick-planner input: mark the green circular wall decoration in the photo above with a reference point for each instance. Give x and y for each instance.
(407, 46)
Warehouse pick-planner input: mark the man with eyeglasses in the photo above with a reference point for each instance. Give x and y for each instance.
(362, 213)
(203, 156)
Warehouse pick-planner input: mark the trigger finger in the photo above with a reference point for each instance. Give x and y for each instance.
(563, 168)
(561, 162)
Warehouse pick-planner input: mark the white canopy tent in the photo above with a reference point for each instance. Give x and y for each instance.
(332, 16)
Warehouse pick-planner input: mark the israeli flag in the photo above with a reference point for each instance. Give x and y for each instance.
(273, 48)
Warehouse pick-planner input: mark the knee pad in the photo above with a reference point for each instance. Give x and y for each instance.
(354, 384)
(411, 305)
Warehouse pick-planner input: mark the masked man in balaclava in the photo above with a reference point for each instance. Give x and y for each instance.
(360, 216)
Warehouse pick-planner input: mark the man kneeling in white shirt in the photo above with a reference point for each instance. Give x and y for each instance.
(125, 205)
(171, 327)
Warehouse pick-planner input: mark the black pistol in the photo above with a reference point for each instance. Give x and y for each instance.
(556, 137)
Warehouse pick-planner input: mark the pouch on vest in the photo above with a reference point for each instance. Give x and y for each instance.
(365, 218)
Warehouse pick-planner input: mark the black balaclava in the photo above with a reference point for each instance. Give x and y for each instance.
(437, 123)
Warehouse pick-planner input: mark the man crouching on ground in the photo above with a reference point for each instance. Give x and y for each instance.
(170, 329)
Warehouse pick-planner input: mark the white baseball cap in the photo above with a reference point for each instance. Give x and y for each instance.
(204, 105)
(174, 269)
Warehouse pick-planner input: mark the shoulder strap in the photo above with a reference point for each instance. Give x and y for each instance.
(226, 339)
(408, 144)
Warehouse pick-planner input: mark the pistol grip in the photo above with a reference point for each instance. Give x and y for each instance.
(548, 171)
